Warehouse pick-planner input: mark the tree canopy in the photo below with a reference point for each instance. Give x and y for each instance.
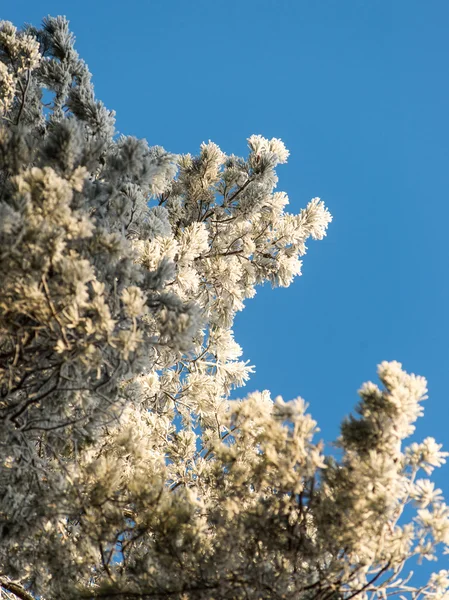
(126, 471)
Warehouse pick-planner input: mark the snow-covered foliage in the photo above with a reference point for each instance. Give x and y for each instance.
(125, 469)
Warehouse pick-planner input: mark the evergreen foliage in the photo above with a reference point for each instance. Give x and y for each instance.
(125, 469)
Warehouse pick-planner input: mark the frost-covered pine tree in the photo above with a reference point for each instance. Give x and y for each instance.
(125, 470)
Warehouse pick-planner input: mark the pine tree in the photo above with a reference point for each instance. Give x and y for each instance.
(125, 469)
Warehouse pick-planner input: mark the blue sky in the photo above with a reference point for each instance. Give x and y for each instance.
(359, 92)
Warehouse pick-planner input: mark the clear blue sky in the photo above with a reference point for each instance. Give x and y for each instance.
(359, 92)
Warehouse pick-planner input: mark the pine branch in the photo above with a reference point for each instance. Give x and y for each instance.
(16, 589)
